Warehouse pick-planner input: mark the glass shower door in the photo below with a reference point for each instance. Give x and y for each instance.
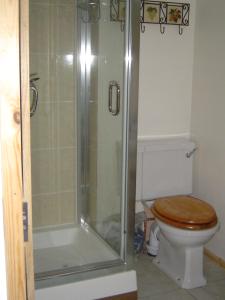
(102, 128)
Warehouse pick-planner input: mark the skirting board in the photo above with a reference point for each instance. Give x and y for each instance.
(215, 258)
(128, 296)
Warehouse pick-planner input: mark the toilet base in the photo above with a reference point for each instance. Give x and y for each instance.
(182, 264)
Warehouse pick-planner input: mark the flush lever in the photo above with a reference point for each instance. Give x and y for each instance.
(190, 153)
(114, 84)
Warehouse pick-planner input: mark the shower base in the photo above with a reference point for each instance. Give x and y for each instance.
(58, 250)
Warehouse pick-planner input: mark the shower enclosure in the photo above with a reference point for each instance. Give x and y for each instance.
(83, 132)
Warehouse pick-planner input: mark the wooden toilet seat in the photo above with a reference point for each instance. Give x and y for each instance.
(185, 212)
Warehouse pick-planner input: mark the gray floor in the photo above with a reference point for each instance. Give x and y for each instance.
(155, 285)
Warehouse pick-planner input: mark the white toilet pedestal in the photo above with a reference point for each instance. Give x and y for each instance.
(184, 265)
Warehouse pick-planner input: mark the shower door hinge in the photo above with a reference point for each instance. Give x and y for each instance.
(25, 221)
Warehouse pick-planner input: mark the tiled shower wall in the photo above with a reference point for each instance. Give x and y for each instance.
(53, 127)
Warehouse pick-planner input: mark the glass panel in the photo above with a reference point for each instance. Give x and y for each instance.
(76, 63)
(53, 125)
(106, 38)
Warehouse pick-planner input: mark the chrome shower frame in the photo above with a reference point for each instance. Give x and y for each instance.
(132, 31)
(130, 114)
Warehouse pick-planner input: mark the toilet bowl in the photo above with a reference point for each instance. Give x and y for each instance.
(186, 225)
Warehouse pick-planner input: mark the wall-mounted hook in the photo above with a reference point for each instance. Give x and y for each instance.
(162, 29)
(181, 30)
(142, 27)
(122, 26)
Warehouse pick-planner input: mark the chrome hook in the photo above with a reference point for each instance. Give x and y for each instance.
(122, 26)
(162, 29)
(142, 27)
(181, 30)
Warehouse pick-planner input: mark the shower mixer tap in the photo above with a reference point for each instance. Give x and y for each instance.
(34, 90)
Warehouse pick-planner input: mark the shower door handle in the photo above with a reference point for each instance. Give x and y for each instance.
(114, 84)
(34, 99)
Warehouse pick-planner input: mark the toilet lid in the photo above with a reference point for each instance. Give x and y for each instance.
(185, 210)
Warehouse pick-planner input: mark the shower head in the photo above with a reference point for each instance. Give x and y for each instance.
(90, 10)
(87, 4)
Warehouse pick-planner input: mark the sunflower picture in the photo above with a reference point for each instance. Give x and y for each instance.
(122, 10)
(174, 15)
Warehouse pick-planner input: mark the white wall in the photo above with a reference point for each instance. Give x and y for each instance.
(208, 111)
(165, 88)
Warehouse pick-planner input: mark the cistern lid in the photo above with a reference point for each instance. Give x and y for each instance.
(185, 212)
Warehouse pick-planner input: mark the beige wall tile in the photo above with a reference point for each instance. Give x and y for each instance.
(65, 77)
(43, 171)
(66, 169)
(46, 210)
(66, 124)
(40, 28)
(65, 2)
(53, 127)
(64, 29)
(54, 2)
(54, 209)
(36, 212)
(42, 126)
(44, 65)
(67, 203)
(46, 2)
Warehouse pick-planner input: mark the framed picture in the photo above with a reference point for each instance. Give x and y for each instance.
(174, 14)
(151, 13)
(121, 10)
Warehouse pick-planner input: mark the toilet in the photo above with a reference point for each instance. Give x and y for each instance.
(185, 223)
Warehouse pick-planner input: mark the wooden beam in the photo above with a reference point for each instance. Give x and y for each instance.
(26, 152)
(218, 260)
(10, 124)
